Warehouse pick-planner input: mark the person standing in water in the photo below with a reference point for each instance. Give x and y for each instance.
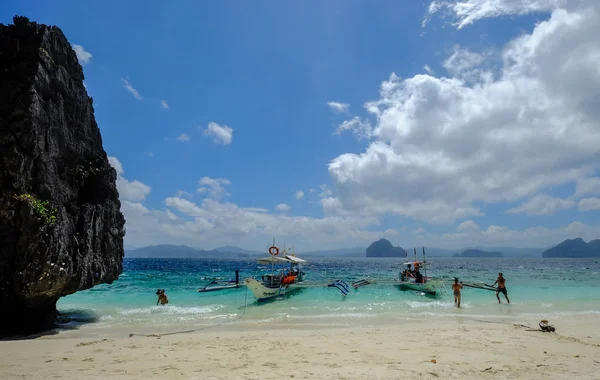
(456, 287)
(162, 297)
(501, 281)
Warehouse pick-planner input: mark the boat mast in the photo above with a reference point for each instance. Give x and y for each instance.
(424, 262)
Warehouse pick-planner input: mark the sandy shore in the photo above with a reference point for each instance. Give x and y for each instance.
(461, 348)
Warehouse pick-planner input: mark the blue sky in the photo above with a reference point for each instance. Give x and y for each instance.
(267, 71)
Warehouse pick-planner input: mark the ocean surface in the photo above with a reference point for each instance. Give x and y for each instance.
(538, 289)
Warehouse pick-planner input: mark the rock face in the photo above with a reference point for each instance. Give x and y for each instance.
(383, 248)
(61, 229)
(574, 248)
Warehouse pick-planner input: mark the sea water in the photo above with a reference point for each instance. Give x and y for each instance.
(538, 289)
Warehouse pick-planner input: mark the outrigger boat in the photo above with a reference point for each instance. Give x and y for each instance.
(412, 279)
(218, 284)
(279, 282)
(282, 282)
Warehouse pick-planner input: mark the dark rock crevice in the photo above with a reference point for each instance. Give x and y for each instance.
(61, 229)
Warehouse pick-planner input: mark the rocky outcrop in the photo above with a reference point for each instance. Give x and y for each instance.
(573, 248)
(383, 248)
(61, 229)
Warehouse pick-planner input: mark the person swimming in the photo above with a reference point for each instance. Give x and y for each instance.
(162, 297)
(456, 287)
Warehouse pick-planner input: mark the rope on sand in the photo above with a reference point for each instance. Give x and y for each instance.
(201, 328)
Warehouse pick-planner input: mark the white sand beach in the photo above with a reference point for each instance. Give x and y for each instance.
(461, 348)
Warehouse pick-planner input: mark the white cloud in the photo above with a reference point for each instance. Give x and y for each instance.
(535, 237)
(164, 104)
(283, 207)
(212, 222)
(214, 187)
(443, 145)
(131, 191)
(132, 91)
(428, 70)
(468, 226)
(587, 186)
(221, 134)
(589, 204)
(83, 56)
(461, 63)
(467, 12)
(149, 154)
(183, 137)
(542, 204)
(325, 191)
(299, 194)
(338, 107)
(361, 128)
(116, 164)
(183, 194)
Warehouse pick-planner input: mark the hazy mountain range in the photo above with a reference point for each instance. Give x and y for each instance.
(229, 251)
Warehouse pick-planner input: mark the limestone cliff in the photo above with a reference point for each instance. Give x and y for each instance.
(383, 248)
(61, 229)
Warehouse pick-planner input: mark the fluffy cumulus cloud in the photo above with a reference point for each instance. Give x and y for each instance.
(589, 204)
(360, 128)
(338, 107)
(210, 222)
(535, 237)
(587, 186)
(221, 134)
(83, 56)
(299, 194)
(442, 145)
(467, 12)
(131, 193)
(542, 204)
(283, 207)
(213, 187)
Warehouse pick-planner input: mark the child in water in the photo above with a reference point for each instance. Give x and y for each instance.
(162, 297)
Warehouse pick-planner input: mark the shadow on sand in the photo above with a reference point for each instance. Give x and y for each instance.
(69, 320)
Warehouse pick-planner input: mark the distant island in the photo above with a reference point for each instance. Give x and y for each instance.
(478, 253)
(180, 252)
(380, 248)
(383, 248)
(574, 248)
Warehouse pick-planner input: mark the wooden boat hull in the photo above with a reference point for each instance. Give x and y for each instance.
(429, 288)
(263, 293)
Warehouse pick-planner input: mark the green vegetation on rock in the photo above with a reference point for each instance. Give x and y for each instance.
(42, 208)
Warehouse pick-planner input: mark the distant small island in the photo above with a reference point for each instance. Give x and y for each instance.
(181, 252)
(384, 248)
(477, 253)
(574, 248)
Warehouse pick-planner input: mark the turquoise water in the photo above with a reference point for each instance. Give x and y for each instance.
(537, 288)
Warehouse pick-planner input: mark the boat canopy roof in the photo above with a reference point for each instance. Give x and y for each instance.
(272, 259)
(295, 259)
(285, 259)
(421, 263)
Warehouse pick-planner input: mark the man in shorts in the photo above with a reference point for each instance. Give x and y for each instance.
(501, 281)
